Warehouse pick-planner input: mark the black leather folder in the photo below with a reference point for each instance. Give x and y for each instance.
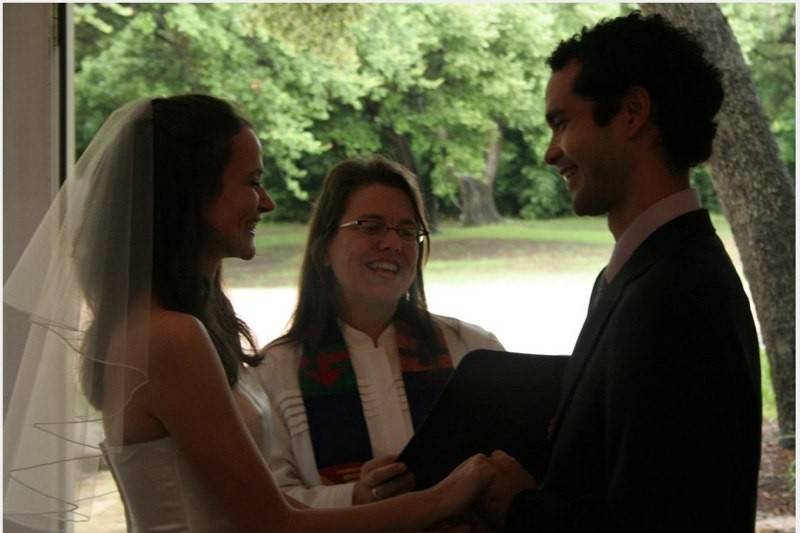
(493, 400)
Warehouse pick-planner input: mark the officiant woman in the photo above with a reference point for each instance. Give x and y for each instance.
(363, 360)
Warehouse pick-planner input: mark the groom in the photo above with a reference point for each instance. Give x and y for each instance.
(659, 422)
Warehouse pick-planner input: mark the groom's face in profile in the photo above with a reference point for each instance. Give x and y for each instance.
(588, 156)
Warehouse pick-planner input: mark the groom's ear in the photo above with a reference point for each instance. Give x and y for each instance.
(635, 109)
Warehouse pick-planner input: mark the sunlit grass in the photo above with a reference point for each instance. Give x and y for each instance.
(769, 410)
(590, 230)
(524, 248)
(279, 234)
(572, 229)
(459, 253)
(546, 259)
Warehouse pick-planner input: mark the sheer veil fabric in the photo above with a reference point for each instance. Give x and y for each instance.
(84, 282)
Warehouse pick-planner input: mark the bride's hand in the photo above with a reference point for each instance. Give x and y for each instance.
(463, 485)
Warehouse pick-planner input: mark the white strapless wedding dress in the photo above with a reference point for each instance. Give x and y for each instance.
(159, 488)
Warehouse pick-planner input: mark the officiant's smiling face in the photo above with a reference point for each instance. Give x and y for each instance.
(374, 269)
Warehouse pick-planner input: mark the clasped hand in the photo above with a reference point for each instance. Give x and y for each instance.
(509, 479)
(382, 478)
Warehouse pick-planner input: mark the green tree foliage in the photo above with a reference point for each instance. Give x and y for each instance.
(161, 49)
(449, 75)
(427, 84)
(766, 35)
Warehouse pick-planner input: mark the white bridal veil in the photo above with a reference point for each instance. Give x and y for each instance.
(86, 264)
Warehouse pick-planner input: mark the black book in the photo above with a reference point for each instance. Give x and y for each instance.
(494, 400)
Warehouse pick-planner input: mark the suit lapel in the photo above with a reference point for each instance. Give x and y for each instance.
(663, 241)
(584, 347)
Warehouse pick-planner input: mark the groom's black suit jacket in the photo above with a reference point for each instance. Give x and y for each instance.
(659, 423)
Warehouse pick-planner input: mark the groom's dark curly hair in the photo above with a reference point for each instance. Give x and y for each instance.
(684, 87)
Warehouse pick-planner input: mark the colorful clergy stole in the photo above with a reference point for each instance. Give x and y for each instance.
(336, 420)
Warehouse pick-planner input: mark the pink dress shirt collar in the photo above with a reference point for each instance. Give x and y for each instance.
(646, 223)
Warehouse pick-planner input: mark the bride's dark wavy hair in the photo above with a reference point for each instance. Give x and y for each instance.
(191, 145)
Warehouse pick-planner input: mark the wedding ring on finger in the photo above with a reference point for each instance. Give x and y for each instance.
(375, 494)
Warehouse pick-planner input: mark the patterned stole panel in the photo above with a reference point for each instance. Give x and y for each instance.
(424, 382)
(335, 415)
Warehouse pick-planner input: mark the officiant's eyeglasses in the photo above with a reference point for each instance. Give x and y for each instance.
(371, 227)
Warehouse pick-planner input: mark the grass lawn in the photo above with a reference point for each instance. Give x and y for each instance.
(512, 249)
(767, 393)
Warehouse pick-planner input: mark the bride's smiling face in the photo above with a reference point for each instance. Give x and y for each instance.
(232, 217)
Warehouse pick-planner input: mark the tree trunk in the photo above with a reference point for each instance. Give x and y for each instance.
(477, 202)
(405, 156)
(757, 196)
(477, 196)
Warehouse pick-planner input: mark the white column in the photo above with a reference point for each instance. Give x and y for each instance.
(31, 153)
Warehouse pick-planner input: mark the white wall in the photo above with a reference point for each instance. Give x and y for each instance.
(30, 152)
(30, 123)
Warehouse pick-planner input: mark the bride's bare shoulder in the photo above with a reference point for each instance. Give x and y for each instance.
(167, 323)
(178, 339)
(164, 340)
(157, 326)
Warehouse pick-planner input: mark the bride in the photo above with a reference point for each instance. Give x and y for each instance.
(123, 280)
